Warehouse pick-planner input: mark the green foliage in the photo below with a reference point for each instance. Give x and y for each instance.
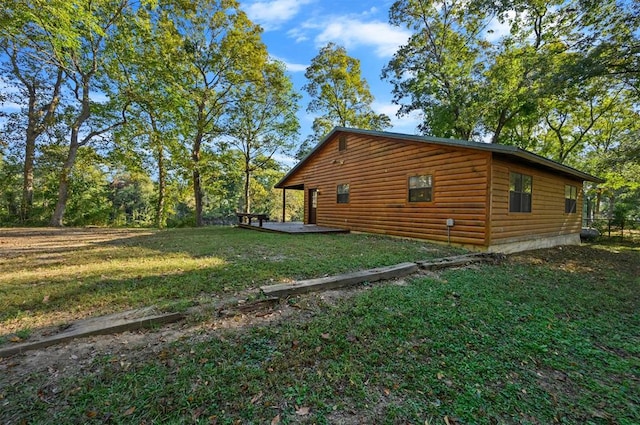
(262, 122)
(131, 198)
(88, 200)
(149, 139)
(221, 49)
(439, 67)
(10, 195)
(163, 121)
(534, 87)
(614, 144)
(562, 82)
(339, 93)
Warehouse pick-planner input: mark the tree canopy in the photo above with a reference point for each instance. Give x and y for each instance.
(561, 81)
(340, 94)
(147, 89)
(172, 112)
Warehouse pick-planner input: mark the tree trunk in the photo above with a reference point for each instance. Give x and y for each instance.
(197, 192)
(63, 189)
(38, 121)
(502, 121)
(162, 184)
(27, 187)
(197, 184)
(29, 160)
(247, 179)
(161, 190)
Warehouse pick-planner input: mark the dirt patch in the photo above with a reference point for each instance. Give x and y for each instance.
(82, 356)
(583, 258)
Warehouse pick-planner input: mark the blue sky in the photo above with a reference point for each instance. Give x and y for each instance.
(295, 30)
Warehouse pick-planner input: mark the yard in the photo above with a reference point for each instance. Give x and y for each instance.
(549, 336)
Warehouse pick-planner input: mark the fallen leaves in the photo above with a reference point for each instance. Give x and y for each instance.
(257, 397)
(197, 413)
(302, 411)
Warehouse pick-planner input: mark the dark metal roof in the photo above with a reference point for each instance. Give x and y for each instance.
(509, 151)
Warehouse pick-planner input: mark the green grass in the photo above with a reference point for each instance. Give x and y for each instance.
(55, 283)
(551, 336)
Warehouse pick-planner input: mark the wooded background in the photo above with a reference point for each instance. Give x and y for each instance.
(172, 113)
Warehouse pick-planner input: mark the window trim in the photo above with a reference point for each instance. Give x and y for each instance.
(522, 194)
(428, 190)
(342, 195)
(571, 202)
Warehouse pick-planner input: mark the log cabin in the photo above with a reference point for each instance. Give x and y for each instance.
(487, 197)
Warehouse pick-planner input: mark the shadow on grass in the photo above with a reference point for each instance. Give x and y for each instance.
(90, 272)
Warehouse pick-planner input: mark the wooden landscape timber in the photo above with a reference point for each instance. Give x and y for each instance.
(142, 318)
(116, 323)
(374, 275)
(340, 281)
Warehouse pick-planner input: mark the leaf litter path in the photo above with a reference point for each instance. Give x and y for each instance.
(75, 356)
(140, 318)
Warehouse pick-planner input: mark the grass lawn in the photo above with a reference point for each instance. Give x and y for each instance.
(549, 336)
(51, 276)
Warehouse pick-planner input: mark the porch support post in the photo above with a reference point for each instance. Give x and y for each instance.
(284, 202)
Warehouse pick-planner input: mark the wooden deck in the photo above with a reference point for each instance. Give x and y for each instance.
(291, 228)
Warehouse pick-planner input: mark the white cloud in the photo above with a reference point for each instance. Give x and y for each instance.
(272, 14)
(13, 94)
(291, 67)
(350, 32)
(496, 29)
(296, 67)
(407, 124)
(98, 97)
(385, 108)
(298, 34)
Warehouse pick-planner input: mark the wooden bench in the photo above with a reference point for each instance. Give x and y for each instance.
(245, 218)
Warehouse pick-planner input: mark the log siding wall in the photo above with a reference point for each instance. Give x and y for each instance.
(377, 171)
(547, 217)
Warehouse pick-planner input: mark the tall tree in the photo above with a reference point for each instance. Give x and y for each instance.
(608, 42)
(262, 121)
(33, 33)
(471, 84)
(84, 67)
(572, 117)
(142, 48)
(439, 68)
(339, 93)
(40, 85)
(220, 48)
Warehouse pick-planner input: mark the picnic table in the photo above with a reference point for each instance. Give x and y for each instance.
(246, 218)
